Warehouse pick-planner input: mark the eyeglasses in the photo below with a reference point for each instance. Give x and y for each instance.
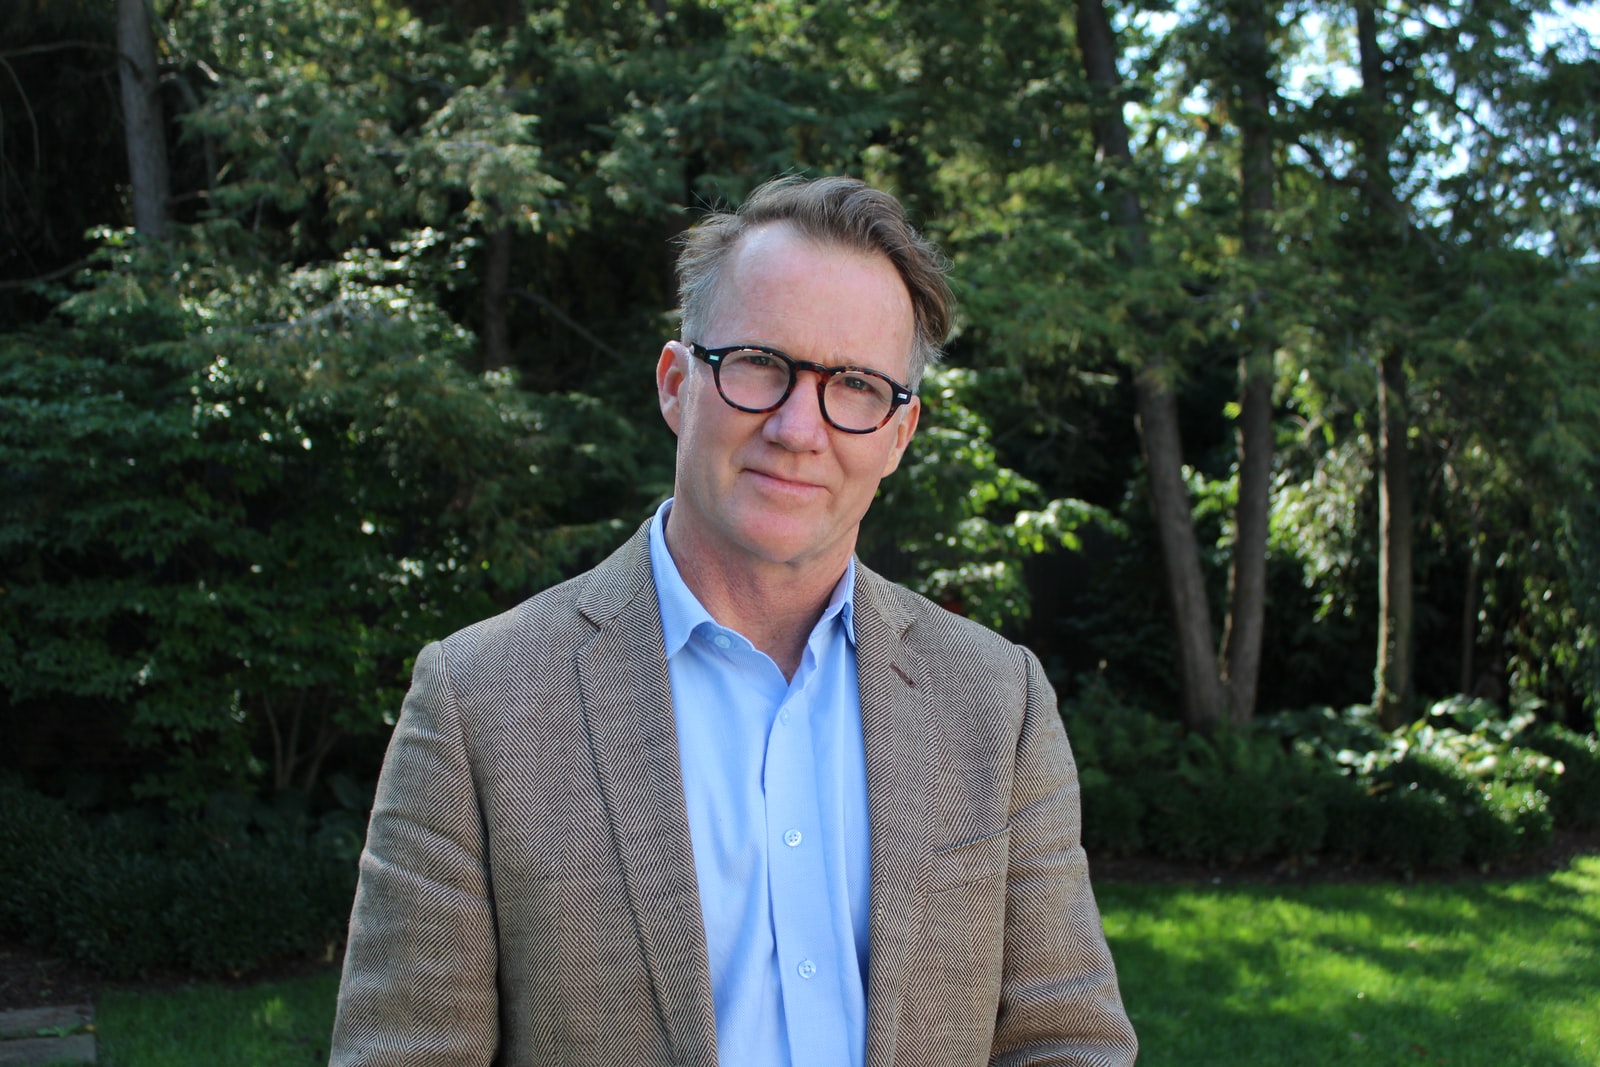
(758, 380)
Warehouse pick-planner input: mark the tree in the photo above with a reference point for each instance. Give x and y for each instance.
(1217, 685)
(1153, 383)
(239, 500)
(1395, 513)
(1254, 92)
(1431, 131)
(144, 127)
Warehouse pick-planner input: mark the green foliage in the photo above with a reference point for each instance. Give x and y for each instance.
(239, 500)
(1467, 785)
(1572, 778)
(959, 519)
(248, 474)
(1233, 797)
(204, 893)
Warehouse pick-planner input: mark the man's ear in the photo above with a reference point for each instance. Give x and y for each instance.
(904, 427)
(672, 374)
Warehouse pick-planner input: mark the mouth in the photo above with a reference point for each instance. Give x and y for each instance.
(782, 483)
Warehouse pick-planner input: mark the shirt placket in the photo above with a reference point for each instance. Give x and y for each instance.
(809, 964)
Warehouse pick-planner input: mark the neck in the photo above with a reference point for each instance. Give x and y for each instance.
(776, 606)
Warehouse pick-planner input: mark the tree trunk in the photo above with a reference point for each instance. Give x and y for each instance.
(1158, 409)
(1393, 676)
(1469, 613)
(144, 129)
(1247, 579)
(1180, 551)
(496, 288)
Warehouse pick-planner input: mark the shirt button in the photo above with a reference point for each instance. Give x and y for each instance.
(792, 838)
(807, 969)
(722, 641)
(783, 717)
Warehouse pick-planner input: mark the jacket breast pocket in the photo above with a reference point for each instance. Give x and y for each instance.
(968, 863)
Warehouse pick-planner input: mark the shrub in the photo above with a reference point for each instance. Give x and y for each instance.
(1112, 811)
(1416, 829)
(1574, 791)
(1240, 819)
(1175, 824)
(40, 845)
(1305, 814)
(1509, 819)
(1469, 783)
(1351, 812)
(217, 897)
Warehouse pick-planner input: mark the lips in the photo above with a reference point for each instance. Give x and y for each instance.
(784, 482)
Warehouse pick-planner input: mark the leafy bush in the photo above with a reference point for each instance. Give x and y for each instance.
(1118, 813)
(40, 842)
(238, 498)
(1231, 797)
(1574, 789)
(1468, 784)
(214, 897)
(1352, 812)
(1516, 817)
(1415, 828)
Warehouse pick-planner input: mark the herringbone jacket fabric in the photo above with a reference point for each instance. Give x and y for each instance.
(528, 893)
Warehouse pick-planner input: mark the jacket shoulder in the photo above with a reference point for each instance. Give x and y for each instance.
(925, 624)
(554, 623)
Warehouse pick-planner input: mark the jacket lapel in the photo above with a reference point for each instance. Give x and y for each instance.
(892, 723)
(622, 675)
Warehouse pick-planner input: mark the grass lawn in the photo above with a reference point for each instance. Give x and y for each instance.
(1491, 974)
(274, 1024)
(1471, 974)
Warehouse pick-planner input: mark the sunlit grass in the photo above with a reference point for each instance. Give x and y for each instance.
(1491, 974)
(1469, 975)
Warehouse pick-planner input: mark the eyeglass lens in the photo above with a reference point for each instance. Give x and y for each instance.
(851, 400)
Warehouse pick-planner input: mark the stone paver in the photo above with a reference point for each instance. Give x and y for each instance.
(26, 1039)
(27, 1022)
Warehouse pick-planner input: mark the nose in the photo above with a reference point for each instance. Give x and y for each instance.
(798, 425)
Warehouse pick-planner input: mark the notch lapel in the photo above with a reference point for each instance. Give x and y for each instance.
(627, 705)
(895, 734)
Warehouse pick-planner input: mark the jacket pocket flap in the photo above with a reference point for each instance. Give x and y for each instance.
(972, 861)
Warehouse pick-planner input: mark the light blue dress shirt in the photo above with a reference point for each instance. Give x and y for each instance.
(775, 779)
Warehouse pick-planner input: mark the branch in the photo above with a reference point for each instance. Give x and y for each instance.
(1382, 197)
(569, 322)
(33, 121)
(23, 283)
(59, 46)
(277, 738)
(310, 318)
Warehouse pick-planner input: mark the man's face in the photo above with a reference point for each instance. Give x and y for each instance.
(785, 487)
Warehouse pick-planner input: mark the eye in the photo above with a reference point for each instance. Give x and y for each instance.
(754, 359)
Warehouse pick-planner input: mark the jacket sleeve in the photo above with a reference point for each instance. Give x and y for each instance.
(1059, 1002)
(419, 983)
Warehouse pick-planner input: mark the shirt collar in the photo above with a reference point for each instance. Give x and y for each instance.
(682, 613)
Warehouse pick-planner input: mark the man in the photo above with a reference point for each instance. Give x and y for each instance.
(730, 797)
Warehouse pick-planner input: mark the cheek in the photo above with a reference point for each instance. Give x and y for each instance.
(704, 435)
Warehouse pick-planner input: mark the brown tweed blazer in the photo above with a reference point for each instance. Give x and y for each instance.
(528, 892)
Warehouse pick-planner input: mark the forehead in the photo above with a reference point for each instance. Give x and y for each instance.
(815, 300)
